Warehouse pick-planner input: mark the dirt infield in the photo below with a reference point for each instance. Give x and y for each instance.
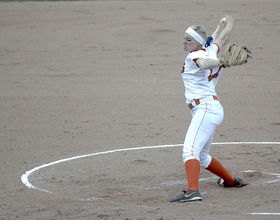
(91, 78)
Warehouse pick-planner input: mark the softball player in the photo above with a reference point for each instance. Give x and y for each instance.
(200, 74)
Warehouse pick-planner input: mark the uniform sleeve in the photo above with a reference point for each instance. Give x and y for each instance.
(195, 60)
(217, 45)
(190, 65)
(213, 49)
(197, 55)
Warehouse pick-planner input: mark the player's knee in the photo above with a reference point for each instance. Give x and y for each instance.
(205, 161)
(189, 156)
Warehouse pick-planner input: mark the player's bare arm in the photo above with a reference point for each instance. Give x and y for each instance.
(207, 63)
(225, 35)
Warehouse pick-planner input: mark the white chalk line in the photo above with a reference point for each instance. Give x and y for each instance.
(271, 181)
(25, 181)
(262, 213)
(24, 177)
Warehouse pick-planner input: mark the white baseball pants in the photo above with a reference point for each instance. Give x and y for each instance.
(205, 119)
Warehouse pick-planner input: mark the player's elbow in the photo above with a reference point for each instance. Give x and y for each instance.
(207, 63)
(202, 64)
(204, 67)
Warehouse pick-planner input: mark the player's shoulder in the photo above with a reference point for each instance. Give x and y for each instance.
(197, 54)
(214, 47)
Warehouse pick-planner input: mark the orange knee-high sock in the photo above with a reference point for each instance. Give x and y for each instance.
(217, 168)
(192, 171)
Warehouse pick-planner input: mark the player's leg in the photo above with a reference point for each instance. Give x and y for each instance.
(195, 140)
(204, 122)
(218, 169)
(199, 139)
(205, 158)
(214, 166)
(192, 145)
(226, 179)
(199, 134)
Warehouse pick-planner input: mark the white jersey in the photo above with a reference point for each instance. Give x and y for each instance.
(198, 82)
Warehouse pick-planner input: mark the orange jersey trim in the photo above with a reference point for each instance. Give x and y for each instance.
(210, 77)
(198, 50)
(195, 60)
(218, 47)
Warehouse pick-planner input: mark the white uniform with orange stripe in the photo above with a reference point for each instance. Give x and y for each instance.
(207, 112)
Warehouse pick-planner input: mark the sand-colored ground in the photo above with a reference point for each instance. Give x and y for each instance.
(78, 78)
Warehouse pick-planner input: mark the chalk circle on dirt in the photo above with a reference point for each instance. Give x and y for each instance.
(25, 176)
